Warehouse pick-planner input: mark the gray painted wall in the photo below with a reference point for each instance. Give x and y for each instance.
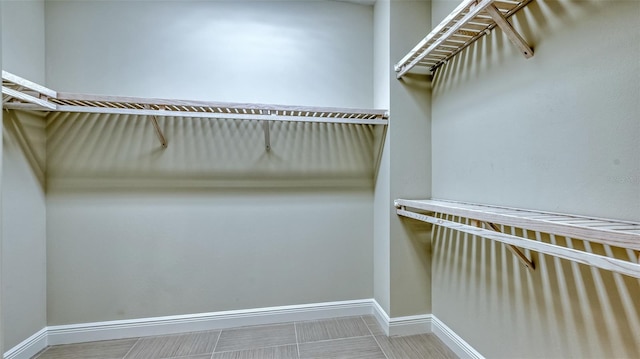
(23, 195)
(1, 211)
(557, 132)
(23, 39)
(118, 254)
(410, 165)
(381, 244)
(213, 222)
(24, 228)
(214, 50)
(401, 248)
(553, 128)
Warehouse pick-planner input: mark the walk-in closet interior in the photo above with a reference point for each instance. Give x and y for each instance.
(461, 176)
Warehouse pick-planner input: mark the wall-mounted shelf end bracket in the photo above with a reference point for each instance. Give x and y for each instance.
(18, 91)
(511, 33)
(513, 249)
(156, 127)
(267, 134)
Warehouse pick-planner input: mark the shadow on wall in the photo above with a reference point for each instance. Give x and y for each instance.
(89, 150)
(535, 23)
(26, 131)
(562, 309)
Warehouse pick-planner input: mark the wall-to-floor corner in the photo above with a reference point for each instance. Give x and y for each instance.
(23, 241)
(401, 248)
(29, 347)
(1, 226)
(87, 332)
(410, 165)
(381, 66)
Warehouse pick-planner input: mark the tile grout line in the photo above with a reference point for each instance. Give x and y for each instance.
(335, 339)
(374, 338)
(133, 346)
(295, 328)
(242, 350)
(216, 345)
(186, 356)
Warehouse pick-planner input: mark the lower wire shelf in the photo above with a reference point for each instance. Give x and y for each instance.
(485, 221)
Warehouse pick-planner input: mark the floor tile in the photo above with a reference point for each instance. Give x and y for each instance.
(256, 337)
(350, 348)
(110, 349)
(282, 352)
(415, 346)
(317, 330)
(373, 325)
(170, 346)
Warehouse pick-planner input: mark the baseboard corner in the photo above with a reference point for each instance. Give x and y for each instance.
(452, 340)
(381, 316)
(29, 347)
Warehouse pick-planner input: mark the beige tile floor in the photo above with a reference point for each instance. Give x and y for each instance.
(345, 338)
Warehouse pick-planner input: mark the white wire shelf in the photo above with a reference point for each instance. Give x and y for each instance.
(471, 20)
(486, 220)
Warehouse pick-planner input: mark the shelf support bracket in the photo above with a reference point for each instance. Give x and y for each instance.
(267, 139)
(513, 249)
(156, 127)
(267, 134)
(159, 133)
(508, 29)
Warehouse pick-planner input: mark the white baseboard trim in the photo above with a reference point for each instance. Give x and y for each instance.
(462, 349)
(79, 333)
(86, 332)
(381, 316)
(422, 324)
(400, 326)
(28, 347)
(412, 325)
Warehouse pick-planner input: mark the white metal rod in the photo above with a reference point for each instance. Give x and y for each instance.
(28, 98)
(526, 220)
(236, 116)
(28, 84)
(591, 259)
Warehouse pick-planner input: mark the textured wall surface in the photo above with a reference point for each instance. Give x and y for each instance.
(316, 53)
(213, 222)
(401, 248)
(556, 132)
(23, 192)
(381, 231)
